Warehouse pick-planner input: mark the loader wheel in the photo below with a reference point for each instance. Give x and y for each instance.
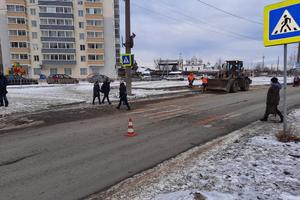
(234, 87)
(246, 86)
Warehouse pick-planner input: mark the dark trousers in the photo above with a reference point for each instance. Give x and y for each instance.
(3, 98)
(96, 96)
(125, 101)
(106, 96)
(277, 112)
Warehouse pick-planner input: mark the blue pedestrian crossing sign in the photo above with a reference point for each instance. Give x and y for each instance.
(127, 60)
(282, 23)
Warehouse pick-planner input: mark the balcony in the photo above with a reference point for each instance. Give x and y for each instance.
(93, 5)
(57, 51)
(58, 39)
(56, 15)
(56, 27)
(56, 3)
(59, 62)
(19, 2)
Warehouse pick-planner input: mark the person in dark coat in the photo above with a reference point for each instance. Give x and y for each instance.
(123, 96)
(96, 92)
(3, 90)
(105, 88)
(273, 99)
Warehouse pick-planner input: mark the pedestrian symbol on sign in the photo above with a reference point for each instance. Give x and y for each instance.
(126, 60)
(286, 24)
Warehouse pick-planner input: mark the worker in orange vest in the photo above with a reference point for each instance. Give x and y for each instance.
(204, 83)
(191, 78)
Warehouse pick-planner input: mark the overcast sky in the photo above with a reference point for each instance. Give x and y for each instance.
(169, 28)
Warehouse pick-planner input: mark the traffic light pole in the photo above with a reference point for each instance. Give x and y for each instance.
(128, 46)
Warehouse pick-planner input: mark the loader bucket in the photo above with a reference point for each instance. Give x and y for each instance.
(219, 84)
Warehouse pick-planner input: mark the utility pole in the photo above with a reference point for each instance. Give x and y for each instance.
(263, 62)
(277, 67)
(298, 58)
(128, 45)
(1, 59)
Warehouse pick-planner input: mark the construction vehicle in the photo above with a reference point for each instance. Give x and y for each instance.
(230, 78)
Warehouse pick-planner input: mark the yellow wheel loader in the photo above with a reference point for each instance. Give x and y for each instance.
(231, 78)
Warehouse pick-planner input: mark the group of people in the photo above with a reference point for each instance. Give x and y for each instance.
(105, 89)
(3, 90)
(191, 78)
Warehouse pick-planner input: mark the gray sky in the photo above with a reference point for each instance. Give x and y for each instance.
(167, 28)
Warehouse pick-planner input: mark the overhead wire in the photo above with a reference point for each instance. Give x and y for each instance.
(232, 34)
(206, 23)
(229, 13)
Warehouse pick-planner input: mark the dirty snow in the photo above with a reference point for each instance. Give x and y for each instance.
(246, 164)
(29, 98)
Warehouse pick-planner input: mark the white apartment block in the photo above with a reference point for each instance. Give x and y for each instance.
(73, 37)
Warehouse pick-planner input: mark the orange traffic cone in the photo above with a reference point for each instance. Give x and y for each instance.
(130, 132)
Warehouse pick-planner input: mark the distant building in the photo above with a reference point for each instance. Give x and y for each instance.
(61, 36)
(169, 65)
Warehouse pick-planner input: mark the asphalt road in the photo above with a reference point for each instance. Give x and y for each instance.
(72, 160)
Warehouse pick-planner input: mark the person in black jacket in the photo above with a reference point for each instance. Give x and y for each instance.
(3, 90)
(105, 88)
(273, 98)
(123, 96)
(96, 92)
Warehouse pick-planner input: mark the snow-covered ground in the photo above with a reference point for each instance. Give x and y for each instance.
(29, 98)
(266, 80)
(246, 164)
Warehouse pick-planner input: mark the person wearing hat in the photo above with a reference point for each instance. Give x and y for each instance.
(3, 90)
(273, 98)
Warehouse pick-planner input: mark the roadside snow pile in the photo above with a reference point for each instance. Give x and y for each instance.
(40, 97)
(246, 164)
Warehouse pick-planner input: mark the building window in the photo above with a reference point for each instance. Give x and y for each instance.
(81, 25)
(32, 1)
(36, 58)
(18, 45)
(80, 13)
(32, 11)
(82, 47)
(80, 2)
(37, 71)
(81, 36)
(96, 57)
(97, 23)
(83, 71)
(82, 58)
(34, 35)
(68, 71)
(35, 46)
(93, 11)
(95, 46)
(33, 23)
(23, 57)
(53, 71)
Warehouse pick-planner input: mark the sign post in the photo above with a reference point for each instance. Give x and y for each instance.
(281, 27)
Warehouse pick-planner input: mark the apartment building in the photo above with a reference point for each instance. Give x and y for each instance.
(74, 37)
